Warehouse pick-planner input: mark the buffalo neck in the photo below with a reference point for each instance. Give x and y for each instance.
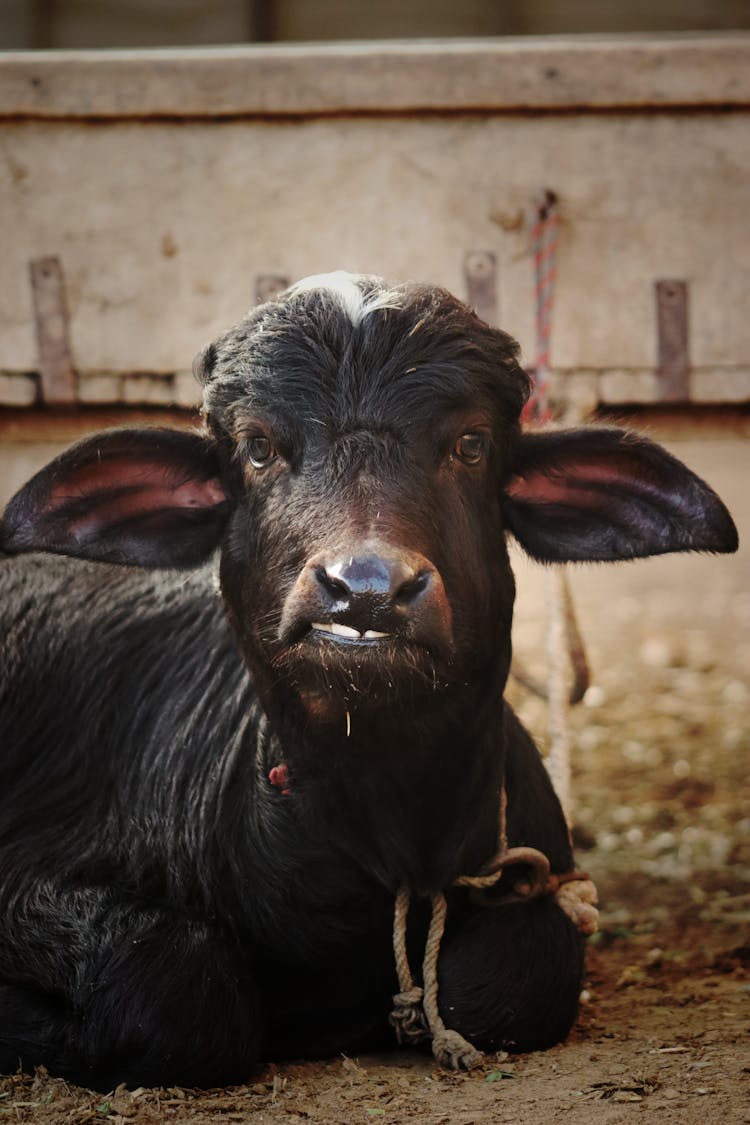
(411, 793)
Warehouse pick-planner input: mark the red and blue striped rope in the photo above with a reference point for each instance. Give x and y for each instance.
(544, 242)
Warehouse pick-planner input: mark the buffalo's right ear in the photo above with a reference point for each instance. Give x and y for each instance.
(147, 497)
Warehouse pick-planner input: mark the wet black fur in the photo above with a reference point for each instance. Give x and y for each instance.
(166, 914)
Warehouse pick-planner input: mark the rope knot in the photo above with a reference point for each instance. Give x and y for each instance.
(454, 1052)
(407, 1017)
(578, 898)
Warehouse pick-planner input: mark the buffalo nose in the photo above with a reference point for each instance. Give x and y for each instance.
(375, 593)
(372, 579)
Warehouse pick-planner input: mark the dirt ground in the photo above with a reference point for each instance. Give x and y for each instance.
(662, 814)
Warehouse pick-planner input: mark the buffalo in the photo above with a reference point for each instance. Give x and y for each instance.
(251, 703)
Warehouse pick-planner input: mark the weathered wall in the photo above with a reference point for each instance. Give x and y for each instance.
(392, 161)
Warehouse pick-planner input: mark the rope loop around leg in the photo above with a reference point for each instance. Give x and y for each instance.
(415, 1016)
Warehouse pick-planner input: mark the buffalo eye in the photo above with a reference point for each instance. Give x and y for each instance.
(260, 451)
(470, 448)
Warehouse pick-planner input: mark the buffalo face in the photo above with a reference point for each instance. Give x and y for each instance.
(367, 432)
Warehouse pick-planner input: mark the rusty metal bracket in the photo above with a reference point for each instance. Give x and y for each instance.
(51, 321)
(480, 272)
(268, 286)
(672, 332)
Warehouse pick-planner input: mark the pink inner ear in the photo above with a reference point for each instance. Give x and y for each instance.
(199, 494)
(579, 483)
(537, 488)
(131, 488)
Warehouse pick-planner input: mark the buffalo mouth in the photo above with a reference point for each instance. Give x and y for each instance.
(362, 668)
(369, 614)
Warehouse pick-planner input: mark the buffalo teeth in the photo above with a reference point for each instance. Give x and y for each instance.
(347, 631)
(337, 630)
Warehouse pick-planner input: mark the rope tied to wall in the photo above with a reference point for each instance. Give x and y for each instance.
(544, 235)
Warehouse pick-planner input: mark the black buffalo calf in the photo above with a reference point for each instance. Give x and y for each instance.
(214, 792)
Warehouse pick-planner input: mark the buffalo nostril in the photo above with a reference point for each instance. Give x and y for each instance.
(412, 588)
(333, 586)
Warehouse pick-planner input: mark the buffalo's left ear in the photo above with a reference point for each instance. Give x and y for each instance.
(146, 497)
(594, 494)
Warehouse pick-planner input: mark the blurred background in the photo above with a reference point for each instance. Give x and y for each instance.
(152, 192)
(42, 24)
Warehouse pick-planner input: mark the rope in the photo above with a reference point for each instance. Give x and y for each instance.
(544, 242)
(581, 676)
(415, 1016)
(408, 1016)
(449, 1047)
(575, 894)
(558, 757)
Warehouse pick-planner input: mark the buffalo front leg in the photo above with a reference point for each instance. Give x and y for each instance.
(148, 998)
(510, 976)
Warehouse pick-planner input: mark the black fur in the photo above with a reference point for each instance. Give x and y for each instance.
(167, 914)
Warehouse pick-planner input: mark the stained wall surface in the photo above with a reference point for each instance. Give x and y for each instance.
(169, 198)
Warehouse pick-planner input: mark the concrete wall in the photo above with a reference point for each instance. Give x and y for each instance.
(151, 23)
(168, 183)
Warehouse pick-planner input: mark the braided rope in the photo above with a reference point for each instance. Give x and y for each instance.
(407, 1017)
(576, 895)
(449, 1047)
(557, 760)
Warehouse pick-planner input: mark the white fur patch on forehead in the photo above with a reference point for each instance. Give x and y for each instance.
(347, 290)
